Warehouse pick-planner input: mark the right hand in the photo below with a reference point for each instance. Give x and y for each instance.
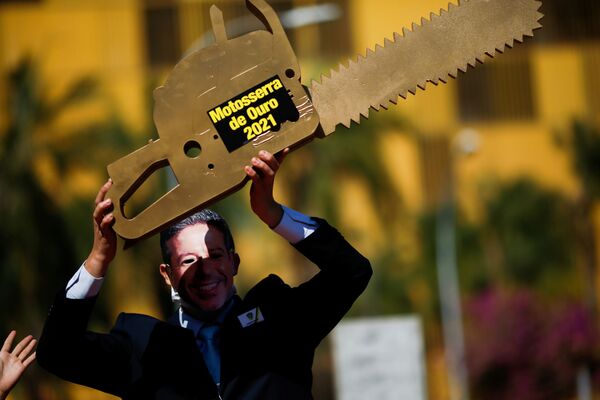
(14, 363)
(105, 238)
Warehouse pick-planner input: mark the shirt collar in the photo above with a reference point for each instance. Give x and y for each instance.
(195, 324)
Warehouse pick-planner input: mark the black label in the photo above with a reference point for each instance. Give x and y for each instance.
(258, 110)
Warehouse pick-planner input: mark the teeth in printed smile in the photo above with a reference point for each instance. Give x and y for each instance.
(209, 286)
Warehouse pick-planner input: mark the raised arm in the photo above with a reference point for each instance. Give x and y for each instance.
(105, 239)
(66, 348)
(13, 363)
(325, 298)
(262, 173)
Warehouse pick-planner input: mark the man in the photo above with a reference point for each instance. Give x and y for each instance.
(217, 345)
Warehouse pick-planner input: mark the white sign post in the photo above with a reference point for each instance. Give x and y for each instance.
(379, 358)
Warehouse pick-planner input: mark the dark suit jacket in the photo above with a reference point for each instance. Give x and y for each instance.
(145, 358)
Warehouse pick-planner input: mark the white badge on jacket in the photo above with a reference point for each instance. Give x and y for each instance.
(251, 317)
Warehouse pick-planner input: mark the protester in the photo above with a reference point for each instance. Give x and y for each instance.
(217, 345)
(14, 363)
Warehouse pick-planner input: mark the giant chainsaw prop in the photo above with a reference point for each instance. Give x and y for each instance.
(223, 103)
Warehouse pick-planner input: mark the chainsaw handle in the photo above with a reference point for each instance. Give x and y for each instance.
(128, 174)
(266, 15)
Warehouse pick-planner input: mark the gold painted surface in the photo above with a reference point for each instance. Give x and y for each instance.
(198, 83)
(430, 52)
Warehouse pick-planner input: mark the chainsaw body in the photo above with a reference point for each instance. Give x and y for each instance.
(218, 106)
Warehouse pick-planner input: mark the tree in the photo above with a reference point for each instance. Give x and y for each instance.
(528, 234)
(585, 146)
(38, 252)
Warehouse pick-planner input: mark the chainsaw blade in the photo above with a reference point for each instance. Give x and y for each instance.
(430, 51)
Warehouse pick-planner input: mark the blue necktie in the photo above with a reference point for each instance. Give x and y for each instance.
(208, 338)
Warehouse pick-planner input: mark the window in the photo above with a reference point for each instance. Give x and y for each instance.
(498, 89)
(591, 65)
(330, 37)
(569, 20)
(335, 37)
(197, 25)
(175, 27)
(162, 34)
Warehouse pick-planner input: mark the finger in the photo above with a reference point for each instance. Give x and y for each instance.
(105, 226)
(251, 173)
(21, 345)
(29, 359)
(101, 209)
(9, 341)
(262, 167)
(23, 355)
(269, 159)
(107, 222)
(102, 191)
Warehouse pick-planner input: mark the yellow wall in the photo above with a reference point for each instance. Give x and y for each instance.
(70, 40)
(507, 152)
(508, 149)
(559, 81)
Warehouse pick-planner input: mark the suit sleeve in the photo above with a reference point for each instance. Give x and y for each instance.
(67, 349)
(315, 307)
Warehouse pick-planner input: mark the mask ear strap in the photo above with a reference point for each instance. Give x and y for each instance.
(216, 18)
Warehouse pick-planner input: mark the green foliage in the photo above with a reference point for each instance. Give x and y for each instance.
(473, 274)
(34, 245)
(388, 291)
(524, 239)
(586, 151)
(531, 226)
(40, 242)
(352, 151)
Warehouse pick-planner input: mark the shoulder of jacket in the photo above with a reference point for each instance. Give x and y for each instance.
(124, 319)
(137, 329)
(269, 286)
(270, 282)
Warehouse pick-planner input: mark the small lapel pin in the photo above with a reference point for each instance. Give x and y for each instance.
(250, 317)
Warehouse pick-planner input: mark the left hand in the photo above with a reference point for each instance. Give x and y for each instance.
(13, 363)
(105, 239)
(262, 172)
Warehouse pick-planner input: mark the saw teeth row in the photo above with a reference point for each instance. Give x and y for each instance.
(386, 59)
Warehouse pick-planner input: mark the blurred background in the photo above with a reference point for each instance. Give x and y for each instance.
(476, 201)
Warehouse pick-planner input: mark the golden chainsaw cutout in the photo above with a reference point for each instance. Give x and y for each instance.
(223, 103)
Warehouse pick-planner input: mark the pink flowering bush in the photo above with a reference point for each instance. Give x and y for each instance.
(520, 348)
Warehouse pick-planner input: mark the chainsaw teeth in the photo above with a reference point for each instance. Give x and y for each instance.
(451, 41)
